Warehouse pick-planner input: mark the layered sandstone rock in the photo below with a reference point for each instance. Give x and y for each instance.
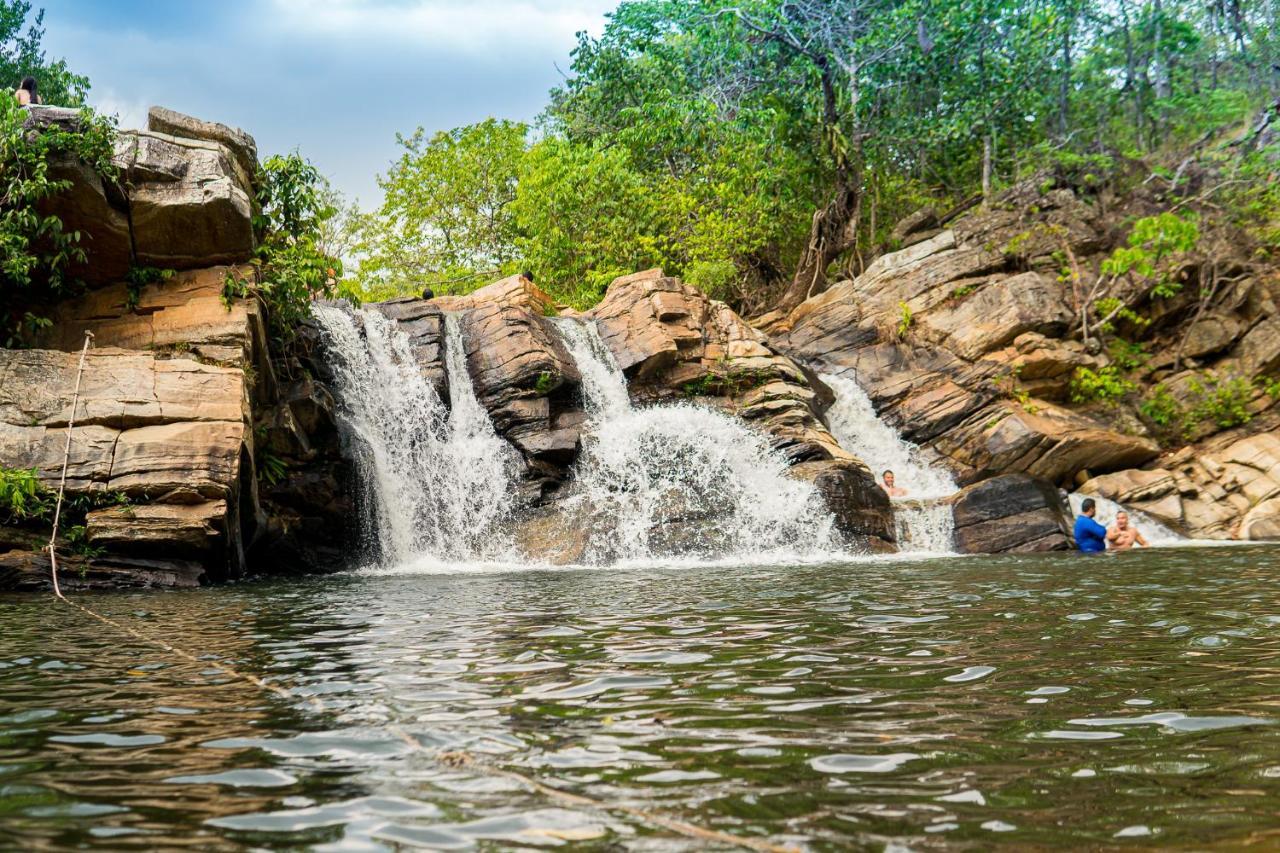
(1011, 513)
(184, 199)
(1230, 492)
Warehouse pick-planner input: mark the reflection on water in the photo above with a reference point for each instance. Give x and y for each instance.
(1016, 701)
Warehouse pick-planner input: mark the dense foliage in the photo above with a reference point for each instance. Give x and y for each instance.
(760, 148)
(291, 266)
(35, 250)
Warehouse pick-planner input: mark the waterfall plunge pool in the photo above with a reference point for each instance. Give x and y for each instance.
(990, 702)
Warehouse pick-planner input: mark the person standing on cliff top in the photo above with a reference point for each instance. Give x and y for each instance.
(1122, 535)
(26, 92)
(892, 490)
(1091, 537)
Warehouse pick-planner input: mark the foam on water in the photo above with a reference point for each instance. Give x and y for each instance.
(655, 481)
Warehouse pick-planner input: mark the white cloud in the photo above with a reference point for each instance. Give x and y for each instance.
(470, 26)
(131, 110)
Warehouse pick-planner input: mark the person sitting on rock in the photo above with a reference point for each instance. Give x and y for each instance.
(1091, 537)
(26, 92)
(428, 293)
(892, 490)
(1122, 535)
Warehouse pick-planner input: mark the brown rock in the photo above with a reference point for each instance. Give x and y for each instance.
(189, 531)
(860, 506)
(1052, 443)
(997, 313)
(1011, 513)
(514, 291)
(1262, 523)
(239, 144)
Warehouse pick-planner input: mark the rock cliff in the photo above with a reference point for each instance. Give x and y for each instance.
(181, 399)
(967, 340)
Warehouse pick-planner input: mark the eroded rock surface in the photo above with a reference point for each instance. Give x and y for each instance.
(1011, 513)
(184, 199)
(1229, 492)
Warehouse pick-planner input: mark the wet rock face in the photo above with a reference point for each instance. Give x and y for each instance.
(861, 508)
(527, 381)
(673, 342)
(184, 199)
(1011, 513)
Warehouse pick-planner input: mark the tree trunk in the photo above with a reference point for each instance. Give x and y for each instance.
(833, 232)
(1064, 96)
(987, 145)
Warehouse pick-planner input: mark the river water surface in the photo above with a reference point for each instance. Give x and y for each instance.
(1024, 702)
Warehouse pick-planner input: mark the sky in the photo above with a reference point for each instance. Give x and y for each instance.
(334, 79)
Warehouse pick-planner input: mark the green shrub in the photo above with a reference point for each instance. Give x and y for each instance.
(714, 278)
(21, 496)
(905, 319)
(35, 249)
(290, 268)
(1106, 385)
(1223, 401)
(1126, 355)
(1153, 240)
(1161, 408)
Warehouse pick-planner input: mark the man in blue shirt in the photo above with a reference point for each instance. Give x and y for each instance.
(1091, 537)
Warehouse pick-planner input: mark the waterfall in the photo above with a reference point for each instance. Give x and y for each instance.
(924, 520)
(1154, 532)
(680, 479)
(439, 479)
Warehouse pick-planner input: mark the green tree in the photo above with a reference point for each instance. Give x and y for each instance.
(585, 217)
(446, 220)
(35, 249)
(21, 54)
(291, 267)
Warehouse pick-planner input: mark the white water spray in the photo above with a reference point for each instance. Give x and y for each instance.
(924, 521)
(657, 481)
(439, 478)
(1154, 532)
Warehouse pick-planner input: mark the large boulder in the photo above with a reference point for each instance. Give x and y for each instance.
(1011, 513)
(184, 198)
(1042, 440)
(528, 382)
(673, 342)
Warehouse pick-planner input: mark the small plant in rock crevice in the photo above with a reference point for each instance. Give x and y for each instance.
(1105, 385)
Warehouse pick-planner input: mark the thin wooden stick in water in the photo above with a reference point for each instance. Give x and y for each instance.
(66, 459)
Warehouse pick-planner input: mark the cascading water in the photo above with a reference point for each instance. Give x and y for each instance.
(924, 520)
(1154, 532)
(681, 479)
(439, 478)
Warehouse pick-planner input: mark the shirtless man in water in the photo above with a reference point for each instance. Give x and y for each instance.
(890, 488)
(1121, 535)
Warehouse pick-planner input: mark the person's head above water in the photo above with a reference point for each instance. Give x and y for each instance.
(1122, 519)
(1088, 507)
(888, 478)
